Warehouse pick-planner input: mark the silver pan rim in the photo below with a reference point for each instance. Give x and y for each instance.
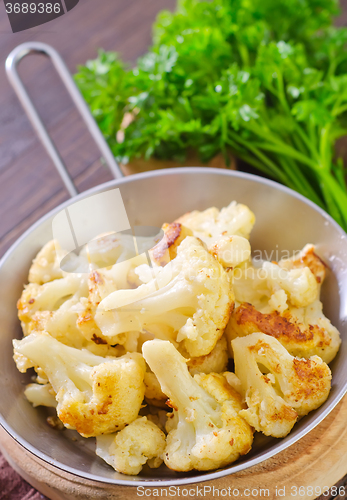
(281, 446)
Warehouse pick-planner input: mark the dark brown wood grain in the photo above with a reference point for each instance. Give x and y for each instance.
(341, 491)
(29, 185)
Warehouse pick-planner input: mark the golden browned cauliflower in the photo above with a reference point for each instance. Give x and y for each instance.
(189, 301)
(211, 224)
(97, 325)
(306, 258)
(51, 304)
(225, 232)
(216, 361)
(205, 430)
(304, 332)
(277, 387)
(153, 393)
(95, 395)
(299, 284)
(45, 266)
(64, 303)
(91, 320)
(129, 449)
(99, 287)
(268, 299)
(231, 251)
(41, 395)
(267, 283)
(49, 296)
(55, 307)
(166, 249)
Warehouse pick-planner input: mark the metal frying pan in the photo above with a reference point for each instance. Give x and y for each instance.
(285, 221)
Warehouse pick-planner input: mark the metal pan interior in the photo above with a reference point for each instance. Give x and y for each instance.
(284, 221)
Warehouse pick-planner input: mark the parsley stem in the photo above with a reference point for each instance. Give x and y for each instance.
(331, 205)
(273, 169)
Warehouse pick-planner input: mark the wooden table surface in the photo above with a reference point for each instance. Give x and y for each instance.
(29, 184)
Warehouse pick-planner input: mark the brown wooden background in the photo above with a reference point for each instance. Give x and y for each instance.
(29, 185)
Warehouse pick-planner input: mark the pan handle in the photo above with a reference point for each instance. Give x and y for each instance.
(12, 62)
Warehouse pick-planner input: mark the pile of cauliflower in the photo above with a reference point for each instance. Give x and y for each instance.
(180, 354)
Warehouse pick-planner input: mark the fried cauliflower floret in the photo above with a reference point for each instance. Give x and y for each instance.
(216, 361)
(189, 301)
(41, 395)
(46, 265)
(231, 251)
(255, 282)
(205, 431)
(61, 325)
(129, 449)
(276, 386)
(95, 395)
(304, 331)
(99, 287)
(108, 249)
(50, 307)
(306, 258)
(211, 224)
(105, 251)
(299, 284)
(153, 393)
(60, 318)
(166, 249)
(99, 326)
(269, 306)
(50, 296)
(249, 285)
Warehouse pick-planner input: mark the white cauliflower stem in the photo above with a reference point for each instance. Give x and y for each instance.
(95, 395)
(205, 431)
(188, 301)
(41, 395)
(129, 449)
(276, 386)
(231, 251)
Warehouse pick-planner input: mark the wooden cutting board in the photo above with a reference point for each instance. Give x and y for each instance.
(314, 464)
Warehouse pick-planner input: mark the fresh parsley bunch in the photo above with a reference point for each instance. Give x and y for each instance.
(263, 79)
